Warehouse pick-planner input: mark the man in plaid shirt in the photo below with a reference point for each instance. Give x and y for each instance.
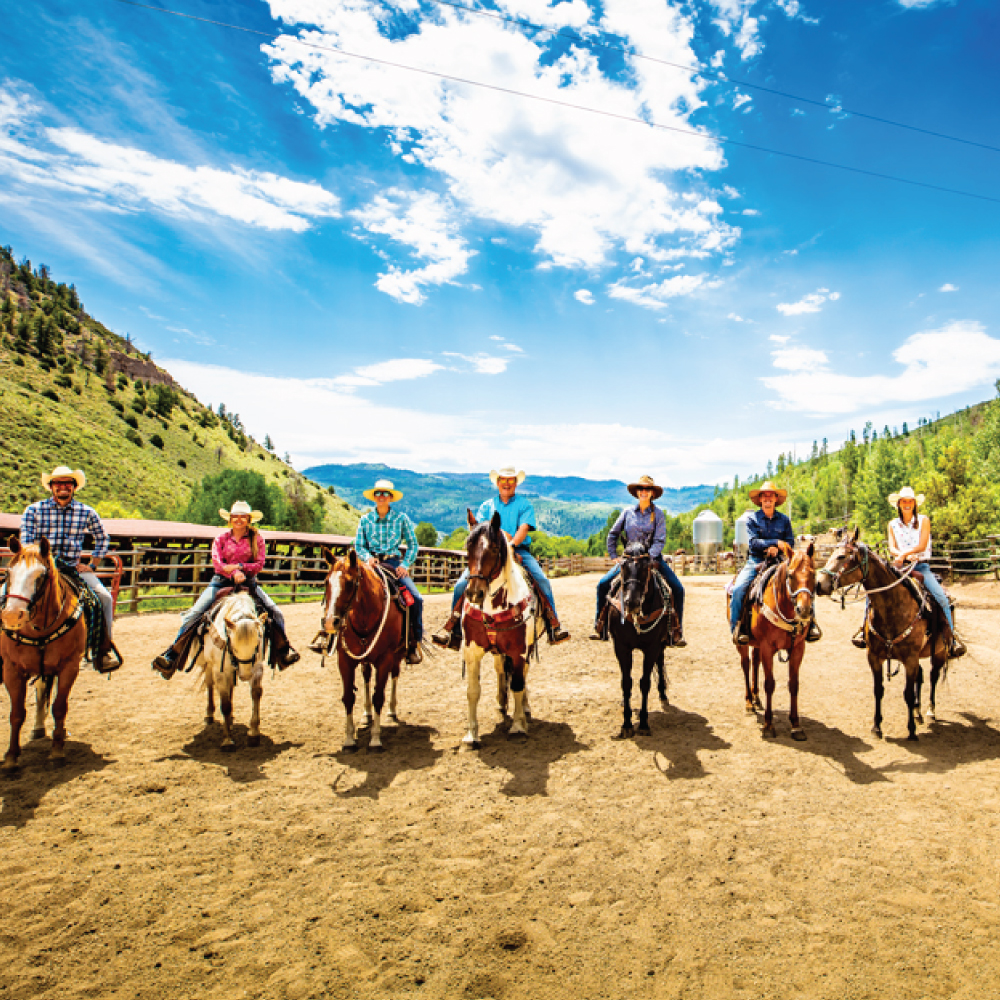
(64, 521)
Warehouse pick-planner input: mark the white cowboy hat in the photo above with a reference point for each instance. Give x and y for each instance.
(768, 487)
(906, 493)
(645, 483)
(241, 507)
(382, 484)
(507, 472)
(64, 472)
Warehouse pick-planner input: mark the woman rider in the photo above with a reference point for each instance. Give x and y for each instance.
(238, 556)
(644, 523)
(909, 537)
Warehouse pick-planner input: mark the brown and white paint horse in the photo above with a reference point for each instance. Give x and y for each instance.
(44, 636)
(369, 630)
(499, 618)
(234, 651)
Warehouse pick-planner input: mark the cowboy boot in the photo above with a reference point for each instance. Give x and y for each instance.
(557, 634)
(414, 654)
(282, 653)
(815, 633)
(166, 663)
(677, 636)
(956, 647)
(449, 636)
(108, 657)
(319, 643)
(600, 633)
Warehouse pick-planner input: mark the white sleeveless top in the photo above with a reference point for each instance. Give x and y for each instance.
(908, 536)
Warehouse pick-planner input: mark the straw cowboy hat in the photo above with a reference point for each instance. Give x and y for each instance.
(906, 493)
(769, 487)
(64, 472)
(241, 507)
(507, 472)
(380, 485)
(645, 483)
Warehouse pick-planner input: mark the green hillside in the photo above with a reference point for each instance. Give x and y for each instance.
(73, 392)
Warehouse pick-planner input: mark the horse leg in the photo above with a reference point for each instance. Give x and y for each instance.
(473, 660)
(347, 668)
(225, 686)
(210, 707)
(755, 656)
(17, 684)
(661, 683)
(910, 694)
(503, 687)
(937, 665)
(366, 719)
(519, 721)
(60, 707)
(645, 683)
(767, 661)
(918, 715)
(624, 655)
(794, 663)
(876, 667)
(256, 692)
(393, 681)
(382, 671)
(751, 693)
(43, 696)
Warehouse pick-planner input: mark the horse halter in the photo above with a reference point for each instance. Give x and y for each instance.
(338, 620)
(859, 564)
(32, 602)
(495, 571)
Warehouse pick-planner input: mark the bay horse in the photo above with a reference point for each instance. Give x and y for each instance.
(780, 623)
(499, 617)
(897, 630)
(367, 627)
(234, 650)
(644, 622)
(44, 636)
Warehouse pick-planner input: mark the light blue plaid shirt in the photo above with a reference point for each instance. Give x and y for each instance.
(65, 528)
(383, 537)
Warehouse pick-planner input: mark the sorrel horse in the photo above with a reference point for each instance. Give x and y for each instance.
(780, 623)
(898, 631)
(644, 621)
(368, 628)
(44, 635)
(499, 617)
(234, 650)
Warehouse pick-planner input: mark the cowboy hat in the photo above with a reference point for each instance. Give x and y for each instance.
(241, 507)
(382, 484)
(64, 472)
(768, 487)
(507, 472)
(645, 483)
(906, 493)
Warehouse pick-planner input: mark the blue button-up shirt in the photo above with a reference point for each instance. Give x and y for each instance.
(512, 515)
(383, 537)
(65, 528)
(765, 531)
(649, 527)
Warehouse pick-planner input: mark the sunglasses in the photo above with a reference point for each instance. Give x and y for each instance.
(382, 493)
(63, 484)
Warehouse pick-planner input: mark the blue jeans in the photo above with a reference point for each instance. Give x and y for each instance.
(530, 564)
(209, 594)
(418, 599)
(934, 588)
(675, 585)
(740, 588)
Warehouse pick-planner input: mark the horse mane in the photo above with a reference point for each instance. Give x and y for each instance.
(636, 550)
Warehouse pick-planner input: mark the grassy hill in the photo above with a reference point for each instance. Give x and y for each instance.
(73, 392)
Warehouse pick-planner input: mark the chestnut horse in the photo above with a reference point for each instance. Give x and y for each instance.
(781, 622)
(367, 628)
(44, 635)
(499, 617)
(897, 630)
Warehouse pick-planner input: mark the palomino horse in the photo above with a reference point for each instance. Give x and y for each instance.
(368, 628)
(44, 636)
(234, 650)
(643, 622)
(499, 617)
(781, 622)
(897, 630)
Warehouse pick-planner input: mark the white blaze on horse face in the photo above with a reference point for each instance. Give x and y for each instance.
(336, 583)
(22, 581)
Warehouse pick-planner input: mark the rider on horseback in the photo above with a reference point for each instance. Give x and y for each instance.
(238, 555)
(64, 521)
(517, 518)
(766, 528)
(644, 523)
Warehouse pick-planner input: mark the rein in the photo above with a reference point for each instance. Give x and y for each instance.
(381, 624)
(57, 629)
(777, 617)
(638, 621)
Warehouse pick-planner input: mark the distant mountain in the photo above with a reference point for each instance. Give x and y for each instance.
(564, 505)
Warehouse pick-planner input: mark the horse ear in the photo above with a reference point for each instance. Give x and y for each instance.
(471, 517)
(328, 556)
(857, 533)
(495, 522)
(14, 544)
(352, 558)
(810, 550)
(43, 547)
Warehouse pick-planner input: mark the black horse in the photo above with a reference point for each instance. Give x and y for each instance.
(642, 619)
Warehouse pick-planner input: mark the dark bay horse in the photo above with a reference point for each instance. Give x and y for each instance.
(781, 623)
(897, 631)
(643, 621)
(44, 635)
(499, 617)
(368, 629)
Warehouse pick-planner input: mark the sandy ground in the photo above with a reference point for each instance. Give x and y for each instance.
(698, 862)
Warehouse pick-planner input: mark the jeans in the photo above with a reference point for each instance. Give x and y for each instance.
(418, 600)
(107, 602)
(530, 564)
(740, 588)
(934, 588)
(207, 597)
(675, 585)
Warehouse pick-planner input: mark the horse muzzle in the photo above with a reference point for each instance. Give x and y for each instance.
(475, 594)
(14, 618)
(332, 624)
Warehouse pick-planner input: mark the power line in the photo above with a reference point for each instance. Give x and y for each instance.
(718, 74)
(722, 140)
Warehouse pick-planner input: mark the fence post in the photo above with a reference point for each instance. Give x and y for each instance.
(294, 575)
(133, 604)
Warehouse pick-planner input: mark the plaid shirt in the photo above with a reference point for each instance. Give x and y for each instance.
(64, 527)
(381, 538)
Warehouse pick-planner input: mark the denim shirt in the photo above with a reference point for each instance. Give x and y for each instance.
(765, 531)
(649, 528)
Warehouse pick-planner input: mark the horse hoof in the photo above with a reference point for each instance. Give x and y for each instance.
(758, 705)
(664, 704)
(527, 715)
(751, 710)
(931, 717)
(376, 749)
(471, 744)
(394, 719)
(9, 767)
(57, 760)
(644, 731)
(228, 747)
(768, 733)
(366, 721)
(352, 748)
(209, 719)
(918, 718)
(38, 734)
(799, 735)
(517, 737)
(625, 733)
(912, 738)
(253, 741)
(877, 732)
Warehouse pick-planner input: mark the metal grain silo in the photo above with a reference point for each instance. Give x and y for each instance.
(741, 539)
(707, 532)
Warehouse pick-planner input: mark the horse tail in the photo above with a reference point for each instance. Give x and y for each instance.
(48, 682)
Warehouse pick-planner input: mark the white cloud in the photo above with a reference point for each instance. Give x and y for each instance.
(740, 100)
(811, 303)
(736, 318)
(920, 4)
(751, 211)
(482, 363)
(113, 177)
(936, 364)
(585, 296)
(948, 287)
(514, 347)
(793, 9)
(779, 338)
(656, 296)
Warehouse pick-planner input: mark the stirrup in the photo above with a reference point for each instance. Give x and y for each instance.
(858, 639)
(292, 656)
(814, 633)
(164, 666)
(557, 635)
(678, 641)
(319, 643)
(740, 638)
(415, 654)
(957, 648)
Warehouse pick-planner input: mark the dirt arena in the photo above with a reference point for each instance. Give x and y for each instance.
(698, 862)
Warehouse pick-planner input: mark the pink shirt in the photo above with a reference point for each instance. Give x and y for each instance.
(227, 551)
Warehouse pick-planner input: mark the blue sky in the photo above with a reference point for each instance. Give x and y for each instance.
(373, 264)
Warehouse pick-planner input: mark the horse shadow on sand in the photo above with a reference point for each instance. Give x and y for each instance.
(944, 745)
(676, 738)
(22, 793)
(407, 748)
(242, 764)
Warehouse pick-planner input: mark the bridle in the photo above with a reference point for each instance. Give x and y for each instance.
(636, 618)
(32, 602)
(862, 564)
(344, 617)
(501, 558)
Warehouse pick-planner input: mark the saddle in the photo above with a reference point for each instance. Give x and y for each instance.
(396, 592)
(93, 614)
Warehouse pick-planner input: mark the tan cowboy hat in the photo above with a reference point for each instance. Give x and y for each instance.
(383, 484)
(507, 472)
(241, 507)
(769, 487)
(64, 472)
(906, 493)
(645, 483)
